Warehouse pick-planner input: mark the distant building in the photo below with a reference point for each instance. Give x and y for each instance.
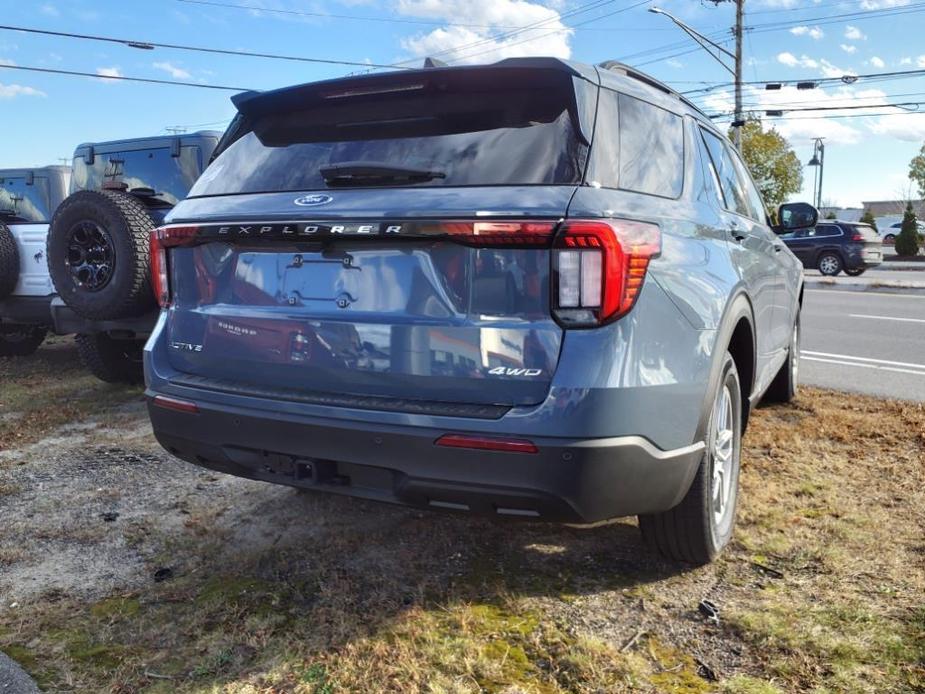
(844, 214)
(887, 208)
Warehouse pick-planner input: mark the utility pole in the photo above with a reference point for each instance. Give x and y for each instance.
(739, 122)
(721, 55)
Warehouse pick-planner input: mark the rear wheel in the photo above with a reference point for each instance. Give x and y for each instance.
(784, 386)
(20, 340)
(889, 239)
(111, 360)
(855, 272)
(697, 529)
(830, 264)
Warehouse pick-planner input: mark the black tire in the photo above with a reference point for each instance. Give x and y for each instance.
(785, 384)
(855, 271)
(830, 263)
(9, 262)
(98, 247)
(20, 340)
(111, 360)
(889, 239)
(691, 531)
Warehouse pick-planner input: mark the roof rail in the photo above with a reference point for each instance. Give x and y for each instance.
(617, 66)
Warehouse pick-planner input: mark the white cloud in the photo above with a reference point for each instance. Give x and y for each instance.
(11, 91)
(6, 61)
(877, 62)
(920, 61)
(675, 63)
(906, 61)
(854, 34)
(790, 60)
(50, 10)
(879, 4)
(459, 44)
(813, 32)
(908, 127)
(848, 48)
(107, 72)
(172, 70)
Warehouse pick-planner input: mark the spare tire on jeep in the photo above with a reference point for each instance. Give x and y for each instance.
(9, 262)
(98, 254)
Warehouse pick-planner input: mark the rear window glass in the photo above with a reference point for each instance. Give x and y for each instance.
(497, 134)
(23, 202)
(866, 231)
(170, 177)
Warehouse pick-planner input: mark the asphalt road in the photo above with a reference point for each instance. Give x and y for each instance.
(866, 342)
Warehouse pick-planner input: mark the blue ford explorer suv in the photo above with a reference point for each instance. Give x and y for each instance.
(534, 289)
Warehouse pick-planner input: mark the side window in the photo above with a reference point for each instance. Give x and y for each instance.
(711, 186)
(752, 196)
(651, 148)
(728, 178)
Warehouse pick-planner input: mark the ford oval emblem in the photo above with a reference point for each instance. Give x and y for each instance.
(313, 200)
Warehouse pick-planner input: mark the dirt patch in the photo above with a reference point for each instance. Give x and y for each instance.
(132, 571)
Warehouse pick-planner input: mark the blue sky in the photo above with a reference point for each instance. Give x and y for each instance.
(43, 117)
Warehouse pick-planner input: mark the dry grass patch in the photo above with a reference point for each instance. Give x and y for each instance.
(274, 591)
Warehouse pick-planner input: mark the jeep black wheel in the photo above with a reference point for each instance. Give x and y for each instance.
(855, 272)
(696, 530)
(830, 264)
(111, 360)
(98, 255)
(20, 340)
(9, 262)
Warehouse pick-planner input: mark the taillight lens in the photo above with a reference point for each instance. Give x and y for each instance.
(488, 233)
(163, 238)
(599, 267)
(857, 237)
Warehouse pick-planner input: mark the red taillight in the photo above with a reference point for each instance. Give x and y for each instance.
(487, 443)
(599, 267)
(857, 237)
(488, 233)
(163, 238)
(175, 404)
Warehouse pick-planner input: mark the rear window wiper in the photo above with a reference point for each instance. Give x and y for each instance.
(371, 173)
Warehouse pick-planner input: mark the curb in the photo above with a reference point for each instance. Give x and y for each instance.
(13, 679)
(882, 286)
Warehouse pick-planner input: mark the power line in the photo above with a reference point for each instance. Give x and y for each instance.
(847, 79)
(122, 78)
(587, 7)
(556, 31)
(149, 45)
(832, 116)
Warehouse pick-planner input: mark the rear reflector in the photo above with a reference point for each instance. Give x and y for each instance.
(487, 233)
(486, 443)
(175, 404)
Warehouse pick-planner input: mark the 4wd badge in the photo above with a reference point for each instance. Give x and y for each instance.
(510, 371)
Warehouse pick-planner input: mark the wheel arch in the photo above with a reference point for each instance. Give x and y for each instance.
(736, 335)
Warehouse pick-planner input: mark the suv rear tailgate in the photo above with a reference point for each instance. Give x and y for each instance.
(356, 308)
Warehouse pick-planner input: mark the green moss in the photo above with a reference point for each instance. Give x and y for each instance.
(743, 684)
(115, 607)
(677, 671)
(22, 655)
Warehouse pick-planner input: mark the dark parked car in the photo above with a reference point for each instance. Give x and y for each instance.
(533, 289)
(832, 247)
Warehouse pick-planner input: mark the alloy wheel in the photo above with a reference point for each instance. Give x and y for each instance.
(723, 455)
(90, 255)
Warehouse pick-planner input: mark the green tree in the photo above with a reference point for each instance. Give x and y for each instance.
(772, 162)
(907, 242)
(868, 218)
(917, 170)
(831, 215)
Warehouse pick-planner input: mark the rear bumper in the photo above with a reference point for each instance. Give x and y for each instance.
(568, 480)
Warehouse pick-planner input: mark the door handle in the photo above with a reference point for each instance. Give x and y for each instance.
(778, 247)
(737, 233)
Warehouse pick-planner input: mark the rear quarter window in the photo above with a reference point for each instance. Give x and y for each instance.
(651, 148)
(24, 202)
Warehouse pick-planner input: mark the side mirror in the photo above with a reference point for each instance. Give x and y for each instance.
(796, 215)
